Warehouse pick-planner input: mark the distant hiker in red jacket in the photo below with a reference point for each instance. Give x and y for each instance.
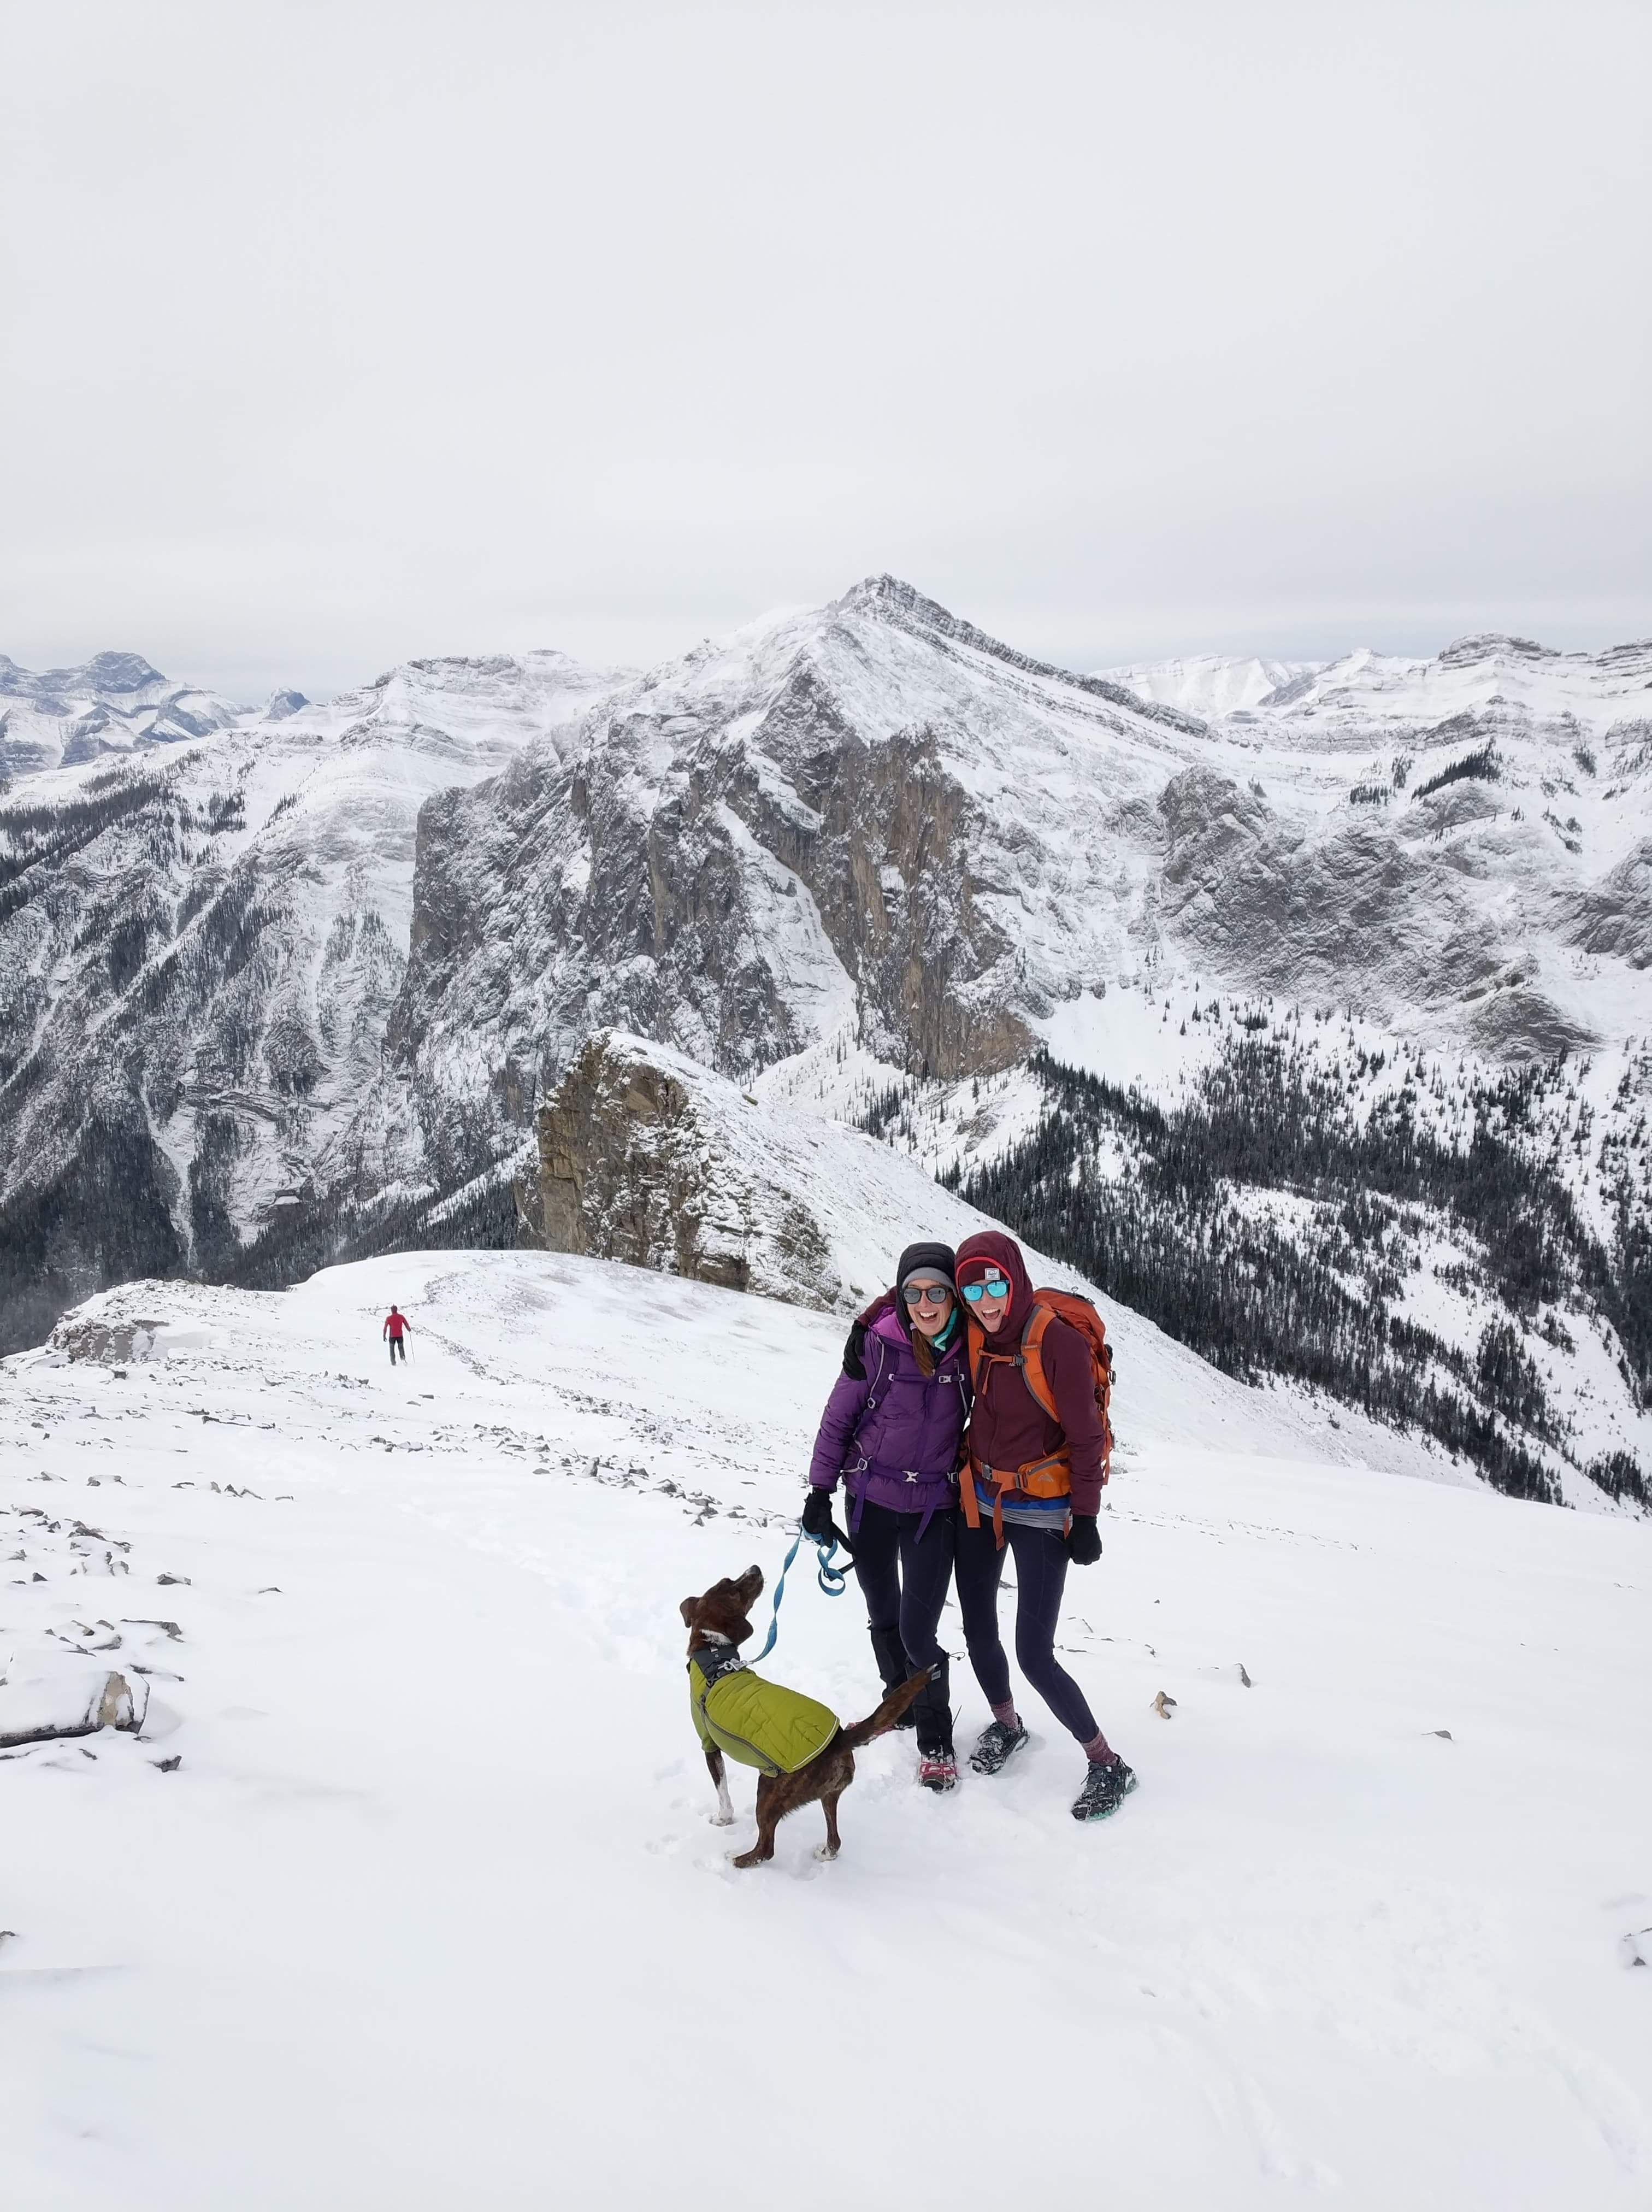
(397, 1324)
(1039, 1478)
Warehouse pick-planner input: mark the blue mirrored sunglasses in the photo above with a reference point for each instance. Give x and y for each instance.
(993, 1287)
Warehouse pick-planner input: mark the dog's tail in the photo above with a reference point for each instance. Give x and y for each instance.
(881, 1722)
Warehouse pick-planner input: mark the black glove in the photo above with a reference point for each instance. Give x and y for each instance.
(817, 1514)
(854, 1352)
(1084, 1541)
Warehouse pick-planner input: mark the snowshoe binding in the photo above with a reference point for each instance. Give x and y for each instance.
(996, 1745)
(1107, 1785)
(937, 1770)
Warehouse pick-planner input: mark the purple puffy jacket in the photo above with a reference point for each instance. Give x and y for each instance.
(894, 1438)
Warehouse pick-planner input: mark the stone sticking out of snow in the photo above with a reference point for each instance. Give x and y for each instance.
(41, 1698)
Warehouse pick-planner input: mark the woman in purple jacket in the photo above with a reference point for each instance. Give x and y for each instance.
(893, 1432)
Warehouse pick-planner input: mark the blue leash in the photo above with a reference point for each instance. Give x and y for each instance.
(832, 1580)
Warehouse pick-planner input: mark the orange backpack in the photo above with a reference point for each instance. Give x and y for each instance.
(1051, 1477)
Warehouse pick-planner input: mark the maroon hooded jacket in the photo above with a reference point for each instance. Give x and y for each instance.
(1008, 1427)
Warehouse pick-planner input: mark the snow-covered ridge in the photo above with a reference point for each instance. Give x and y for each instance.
(1208, 684)
(113, 704)
(434, 1821)
(1373, 695)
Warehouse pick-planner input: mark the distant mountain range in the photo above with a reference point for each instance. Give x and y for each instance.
(1365, 695)
(298, 983)
(114, 703)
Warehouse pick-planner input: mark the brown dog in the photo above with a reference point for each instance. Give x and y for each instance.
(718, 1623)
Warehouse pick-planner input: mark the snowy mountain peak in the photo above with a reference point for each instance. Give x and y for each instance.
(114, 702)
(115, 673)
(893, 597)
(112, 675)
(888, 599)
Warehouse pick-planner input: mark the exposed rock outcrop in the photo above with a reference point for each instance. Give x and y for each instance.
(644, 1157)
(54, 1697)
(1614, 917)
(648, 1157)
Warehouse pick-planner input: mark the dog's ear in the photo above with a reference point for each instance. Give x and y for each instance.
(689, 1606)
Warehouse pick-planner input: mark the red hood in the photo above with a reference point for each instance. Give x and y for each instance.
(1005, 1255)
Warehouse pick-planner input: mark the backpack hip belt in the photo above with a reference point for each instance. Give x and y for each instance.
(1051, 1477)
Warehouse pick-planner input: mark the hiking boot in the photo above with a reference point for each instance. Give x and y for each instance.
(997, 1743)
(937, 1770)
(1107, 1785)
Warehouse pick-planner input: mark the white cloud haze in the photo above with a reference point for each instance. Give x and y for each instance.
(333, 334)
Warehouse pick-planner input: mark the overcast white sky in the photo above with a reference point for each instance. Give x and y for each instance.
(333, 334)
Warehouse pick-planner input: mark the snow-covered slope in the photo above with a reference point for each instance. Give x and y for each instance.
(199, 953)
(1211, 684)
(429, 1902)
(115, 703)
(647, 1158)
(1518, 1289)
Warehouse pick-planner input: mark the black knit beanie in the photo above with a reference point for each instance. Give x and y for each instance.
(921, 1259)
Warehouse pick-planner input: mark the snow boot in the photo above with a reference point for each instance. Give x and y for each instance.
(891, 1655)
(998, 1743)
(937, 1770)
(1107, 1785)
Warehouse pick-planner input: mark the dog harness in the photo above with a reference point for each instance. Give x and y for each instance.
(753, 1721)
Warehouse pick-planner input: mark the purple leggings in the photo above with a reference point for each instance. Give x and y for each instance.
(1040, 1571)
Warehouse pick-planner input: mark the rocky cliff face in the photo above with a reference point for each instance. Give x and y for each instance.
(872, 822)
(200, 948)
(868, 818)
(645, 1157)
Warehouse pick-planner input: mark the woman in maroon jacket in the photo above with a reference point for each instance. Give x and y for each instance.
(1008, 1428)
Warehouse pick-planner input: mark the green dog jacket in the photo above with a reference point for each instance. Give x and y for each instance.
(757, 1723)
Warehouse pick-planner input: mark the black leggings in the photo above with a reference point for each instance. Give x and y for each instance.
(397, 1350)
(1041, 1572)
(904, 1582)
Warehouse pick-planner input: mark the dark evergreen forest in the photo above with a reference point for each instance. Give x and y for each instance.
(1259, 1293)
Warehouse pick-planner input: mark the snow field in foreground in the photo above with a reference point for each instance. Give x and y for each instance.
(433, 1912)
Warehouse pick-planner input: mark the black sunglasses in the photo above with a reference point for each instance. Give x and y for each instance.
(919, 1294)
